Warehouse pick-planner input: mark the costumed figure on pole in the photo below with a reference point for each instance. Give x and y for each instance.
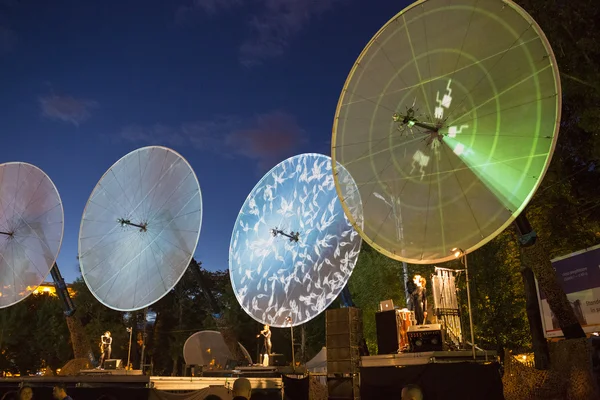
(266, 332)
(105, 348)
(418, 298)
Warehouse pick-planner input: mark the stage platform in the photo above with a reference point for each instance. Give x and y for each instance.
(81, 380)
(118, 378)
(112, 372)
(173, 383)
(254, 370)
(428, 357)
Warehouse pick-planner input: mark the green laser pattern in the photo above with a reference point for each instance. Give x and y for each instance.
(483, 72)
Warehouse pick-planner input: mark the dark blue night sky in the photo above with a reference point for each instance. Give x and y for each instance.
(235, 86)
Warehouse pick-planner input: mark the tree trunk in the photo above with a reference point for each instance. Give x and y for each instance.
(81, 346)
(406, 292)
(538, 341)
(223, 326)
(536, 258)
(230, 338)
(174, 371)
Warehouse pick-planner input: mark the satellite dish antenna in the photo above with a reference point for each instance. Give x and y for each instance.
(292, 249)
(140, 228)
(454, 167)
(209, 348)
(31, 230)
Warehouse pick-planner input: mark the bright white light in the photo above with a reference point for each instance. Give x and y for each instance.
(421, 160)
(444, 102)
(459, 149)
(439, 113)
(457, 252)
(454, 130)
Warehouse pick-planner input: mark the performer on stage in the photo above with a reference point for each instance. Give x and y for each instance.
(267, 334)
(105, 348)
(418, 298)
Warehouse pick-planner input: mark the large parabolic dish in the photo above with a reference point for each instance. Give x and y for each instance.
(447, 122)
(140, 228)
(31, 230)
(209, 348)
(292, 248)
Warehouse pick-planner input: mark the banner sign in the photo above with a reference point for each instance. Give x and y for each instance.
(579, 275)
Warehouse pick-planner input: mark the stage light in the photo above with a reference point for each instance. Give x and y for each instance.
(130, 331)
(457, 252)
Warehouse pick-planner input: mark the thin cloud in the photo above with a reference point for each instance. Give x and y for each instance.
(266, 138)
(274, 137)
(184, 14)
(208, 135)
(213, 6)
(67, 108)
(157, 134)
(272, 27)
(277, 25)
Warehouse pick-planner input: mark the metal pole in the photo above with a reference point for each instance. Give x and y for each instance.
(470, 310)
(303, 344)
(293, 356)
(258, 357)
(129, 352)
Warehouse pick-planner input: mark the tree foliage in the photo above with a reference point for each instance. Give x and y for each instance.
(497, 296)
(375, 278)
(97, 319)
(496, 289)
(33, 335)
(566, 209)
(565, 212)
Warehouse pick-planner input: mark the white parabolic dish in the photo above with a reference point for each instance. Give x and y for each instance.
(140, 228)
(205, 346)
(31, 230)
(292, 249)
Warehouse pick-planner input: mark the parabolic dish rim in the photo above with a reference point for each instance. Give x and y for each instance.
(62, 229)
(254, 188)
(514, 213)
(94, 191)
(243, 349)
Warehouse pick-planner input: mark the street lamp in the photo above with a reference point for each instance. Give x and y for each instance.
(130, 330)
(289, 319)
(460, 253)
